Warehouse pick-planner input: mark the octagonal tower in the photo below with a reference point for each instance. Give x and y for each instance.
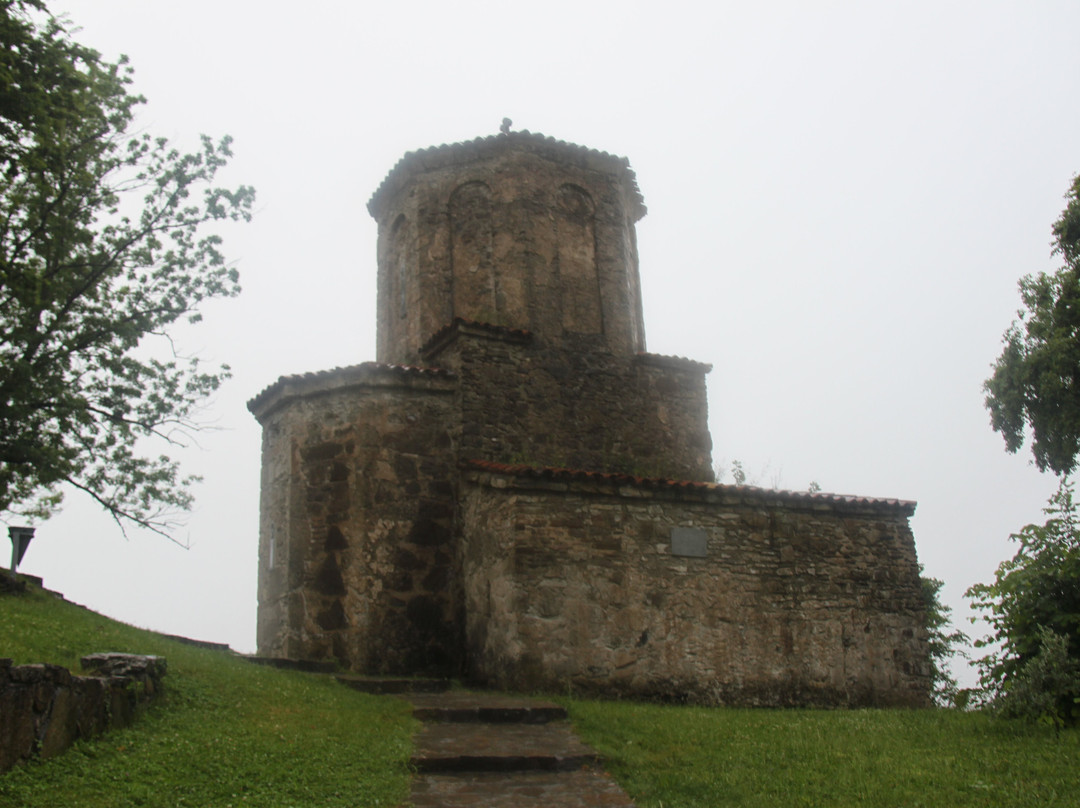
(517, 230)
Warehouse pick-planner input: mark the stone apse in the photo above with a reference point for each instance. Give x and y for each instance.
(517, 493)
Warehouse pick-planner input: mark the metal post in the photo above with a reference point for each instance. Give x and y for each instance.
(20, 540)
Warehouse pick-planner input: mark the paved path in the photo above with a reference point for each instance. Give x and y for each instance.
(491, 751)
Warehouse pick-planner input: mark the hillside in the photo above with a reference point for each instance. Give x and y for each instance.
(226, 732)
(229, 733)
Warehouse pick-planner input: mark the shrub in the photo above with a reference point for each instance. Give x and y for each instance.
(1033, 608)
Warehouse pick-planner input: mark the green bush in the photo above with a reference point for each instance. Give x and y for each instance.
(1046, 688)
(1033, 607)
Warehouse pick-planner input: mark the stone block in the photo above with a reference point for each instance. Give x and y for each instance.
(18, 724)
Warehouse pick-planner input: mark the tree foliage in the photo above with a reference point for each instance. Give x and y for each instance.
(944, 644)
(1035, 598)
(103, 247)
(1046, 688)
(1036, 380)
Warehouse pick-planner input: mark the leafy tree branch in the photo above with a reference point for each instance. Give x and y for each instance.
(1036, 381)
(106, 241)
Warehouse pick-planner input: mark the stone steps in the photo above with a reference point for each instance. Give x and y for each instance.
(489, 708)
(489, 751)
(587, 788)
(285, 663)
(503, 747)
(388, 685)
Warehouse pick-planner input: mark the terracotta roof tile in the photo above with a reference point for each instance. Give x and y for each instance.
(661, 360)
(350, 372)
(447, 154)
(569, 475)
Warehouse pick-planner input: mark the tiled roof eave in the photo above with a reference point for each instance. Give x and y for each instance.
(450, 153)
(705, 490)
(365, 373)
(680, 362)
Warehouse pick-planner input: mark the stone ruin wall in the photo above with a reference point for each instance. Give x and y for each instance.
(522, 400)
(355, 557)
(45, 708)
(571, 581)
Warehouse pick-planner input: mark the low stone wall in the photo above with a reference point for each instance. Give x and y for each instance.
(45, 708)
(707, 593)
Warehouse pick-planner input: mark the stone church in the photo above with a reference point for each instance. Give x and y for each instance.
(516, 492)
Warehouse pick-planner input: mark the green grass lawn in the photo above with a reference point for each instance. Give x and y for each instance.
(229, 733)
(699, 757)
(226, 732)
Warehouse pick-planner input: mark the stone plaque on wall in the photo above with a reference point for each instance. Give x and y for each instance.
(689, 541)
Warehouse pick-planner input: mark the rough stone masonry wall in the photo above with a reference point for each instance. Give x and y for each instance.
(571, 580)
(523, 400)
(516, 230)
(44, 709)
(355, 558)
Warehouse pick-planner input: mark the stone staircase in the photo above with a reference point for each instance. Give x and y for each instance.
(480, 749)
(486, 750)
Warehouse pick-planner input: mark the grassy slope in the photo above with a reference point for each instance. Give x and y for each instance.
(690, 757)
(231, 733)
(226, 732)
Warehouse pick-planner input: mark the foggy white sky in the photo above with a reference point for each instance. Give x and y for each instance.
(842, 197)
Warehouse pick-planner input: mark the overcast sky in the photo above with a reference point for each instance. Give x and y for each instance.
(842, 197)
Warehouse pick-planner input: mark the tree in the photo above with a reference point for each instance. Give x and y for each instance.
(1033, 607)
(1036, 380)
(944, 644)
(1047, 687)
(104, 245)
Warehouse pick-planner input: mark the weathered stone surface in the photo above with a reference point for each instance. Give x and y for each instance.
(517, 230)
(572, 406)
(18, 731)
(357, 524)
(493, 750)
(44, 709)
(585, 788)
(817, 603)
(305, 665)
(387, 684)
(133, 666)
(473, 747)
(462, 706)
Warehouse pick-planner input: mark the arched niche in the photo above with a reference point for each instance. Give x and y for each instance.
(399, 263)
(579, 281)
(475, 286)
